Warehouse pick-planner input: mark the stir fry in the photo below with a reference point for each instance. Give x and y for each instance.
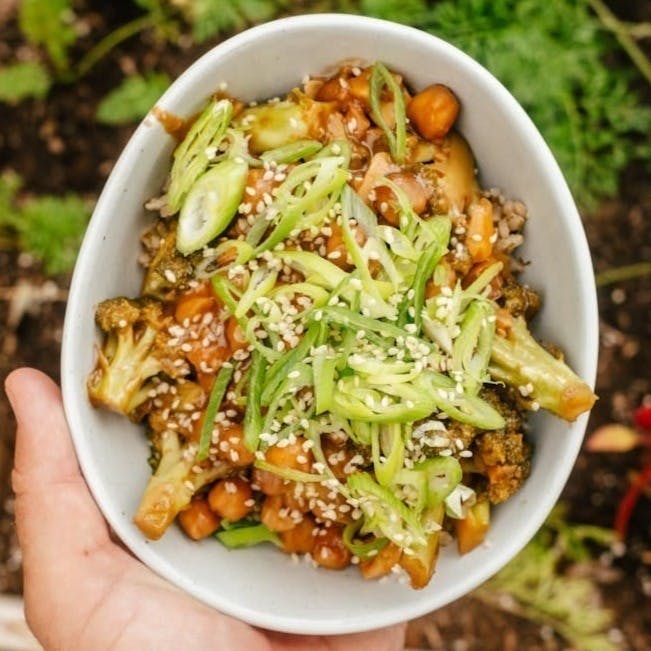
(331, 350)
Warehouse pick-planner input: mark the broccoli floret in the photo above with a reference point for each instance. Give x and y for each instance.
(167, 271)
(177, 478)
(520, 300)
(521, 362)
(135, 349)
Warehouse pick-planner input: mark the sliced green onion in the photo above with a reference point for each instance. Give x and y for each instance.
(239, 537)
(388, 452)
(472, 348)
(384, 512)
(262, 282)
(289, 474)
(337, 148)
(214, 402)
(361, 549)
(324, 367)
(484, 279)
(443, 476)
(253, 416)
(306, 185)
(210, 205)
(295, 151)
(279, 371)
(381, 77)
(193, 155)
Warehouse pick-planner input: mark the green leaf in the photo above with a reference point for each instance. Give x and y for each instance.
(400, 11)
(132, 99)
(10, 183)
(581, 100)
(47, 23)
(20, 81)
(51, 229)
(210, 17)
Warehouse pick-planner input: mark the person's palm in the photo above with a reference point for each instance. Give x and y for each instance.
(82, 589)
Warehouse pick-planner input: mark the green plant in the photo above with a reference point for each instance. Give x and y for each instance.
(210, 17)
(49, 23)
(20, 81)
(541, 589)
(132, 99)
(49, 228)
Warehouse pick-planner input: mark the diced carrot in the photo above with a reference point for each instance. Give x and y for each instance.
(471, 531)
(480, 230)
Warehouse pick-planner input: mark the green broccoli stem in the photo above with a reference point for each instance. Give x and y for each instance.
(172, 486)
(521, 362)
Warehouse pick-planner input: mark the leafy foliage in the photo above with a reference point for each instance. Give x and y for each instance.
(20, 81)
(555, 58)
(400, 11)
(210, 17)
(47, 23)
(542, 591)
(49, 228)
(132, 99)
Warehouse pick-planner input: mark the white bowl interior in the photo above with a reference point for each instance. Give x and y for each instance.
(263, 586)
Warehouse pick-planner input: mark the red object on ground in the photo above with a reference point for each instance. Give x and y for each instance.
(643, 418)
(628, 502)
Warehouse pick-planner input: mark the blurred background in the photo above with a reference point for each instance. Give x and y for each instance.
(76, 76)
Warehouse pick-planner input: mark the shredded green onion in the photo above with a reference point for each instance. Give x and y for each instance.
(381, 77)
(248, 536)
(214, 402)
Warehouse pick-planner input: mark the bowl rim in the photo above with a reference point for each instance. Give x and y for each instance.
(86, 261)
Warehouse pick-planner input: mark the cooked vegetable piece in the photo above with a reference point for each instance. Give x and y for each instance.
(433, 111)
(247, 536)
(172, 486)
(520, 361)
(134, 351)
(295, 151)
(472, 530)
(216, 396)
(381, 78)
(198, 520)
(194, 154)
(210, 205)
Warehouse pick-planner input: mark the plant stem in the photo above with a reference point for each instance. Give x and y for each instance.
(112, 40)
(618, 274)
(623, 35)
(639, 30)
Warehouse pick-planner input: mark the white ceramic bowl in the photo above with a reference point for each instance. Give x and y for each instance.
(261, 585)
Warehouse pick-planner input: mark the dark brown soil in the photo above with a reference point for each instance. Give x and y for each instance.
(56, 146)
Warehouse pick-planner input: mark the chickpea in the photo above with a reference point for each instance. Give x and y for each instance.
(276, 515)
(329, 549)
(300, 539)
(337, 456)
(230, 498)
(198, 520)
(270, 483)
(231, 447)
(376, 566)
(235, 335)
(333, 91)
(387, 204)
(329, 505)
(433, 111)
(360, 88)
(292, 456)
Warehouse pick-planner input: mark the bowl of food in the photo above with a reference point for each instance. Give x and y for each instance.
(299, 333)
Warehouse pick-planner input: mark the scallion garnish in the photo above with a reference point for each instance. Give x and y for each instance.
(214, 402)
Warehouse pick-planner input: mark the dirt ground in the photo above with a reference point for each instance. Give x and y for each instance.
(56, 146)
